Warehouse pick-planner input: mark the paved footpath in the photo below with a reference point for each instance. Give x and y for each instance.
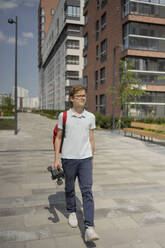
(129, 191)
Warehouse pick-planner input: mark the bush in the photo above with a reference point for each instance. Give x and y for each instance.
(50, 113)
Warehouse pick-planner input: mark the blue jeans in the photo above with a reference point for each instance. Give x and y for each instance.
(81, 168)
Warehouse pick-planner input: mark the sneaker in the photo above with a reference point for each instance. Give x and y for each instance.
(73, 220)
(90, 234)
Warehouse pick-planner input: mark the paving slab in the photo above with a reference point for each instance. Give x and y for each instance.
(129, 191)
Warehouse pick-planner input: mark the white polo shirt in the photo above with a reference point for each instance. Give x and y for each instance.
(76, 143)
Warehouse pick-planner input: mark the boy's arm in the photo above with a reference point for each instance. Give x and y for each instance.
(58, 140)
(92, 140)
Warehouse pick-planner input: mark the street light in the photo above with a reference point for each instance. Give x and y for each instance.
(11, 21)
(113, 84)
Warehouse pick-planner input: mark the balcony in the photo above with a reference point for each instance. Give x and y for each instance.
(143, 9)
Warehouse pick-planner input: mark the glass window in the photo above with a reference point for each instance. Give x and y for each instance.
(42, 34)
(42, 19)
(103, 50)
(72, 75)
(96, 80)
(96, 103)
(102, 104)
(73, 44)
(102, 75)
(85, 82)
(97, 30)
(103, 20)
(103, 3)
(85, 61)
(42, 11)
(73, 11)
(42, 27)
(52, 12)
(72, 59)
(98, 4)
(86, 41)
(86, 18)
(97, 52)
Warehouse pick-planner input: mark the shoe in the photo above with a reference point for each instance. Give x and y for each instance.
(90, 234)
(73, 220)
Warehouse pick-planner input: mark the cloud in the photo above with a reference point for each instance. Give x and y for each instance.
(21, 42)
(5, 4)
(11, 40)
(28, 35)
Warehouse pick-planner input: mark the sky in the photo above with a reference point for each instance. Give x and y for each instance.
(27, 14)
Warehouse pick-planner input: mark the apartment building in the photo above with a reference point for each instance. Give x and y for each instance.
(62, 55)
(46, 12)
(114, 30)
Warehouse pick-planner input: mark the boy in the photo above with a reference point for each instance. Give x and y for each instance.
(77, 158)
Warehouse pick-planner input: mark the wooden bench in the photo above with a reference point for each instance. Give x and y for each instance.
(139, 129)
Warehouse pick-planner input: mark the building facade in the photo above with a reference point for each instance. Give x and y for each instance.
(46, 12)
(62, 55)
(119, 29)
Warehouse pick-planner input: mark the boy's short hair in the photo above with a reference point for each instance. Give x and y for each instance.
(75, 89)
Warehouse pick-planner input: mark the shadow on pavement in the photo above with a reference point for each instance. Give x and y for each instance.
(57, 202)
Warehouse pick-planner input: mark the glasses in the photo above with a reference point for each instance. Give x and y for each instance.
(80, 96)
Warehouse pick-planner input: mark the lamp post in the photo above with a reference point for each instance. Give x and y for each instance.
(113, 84)
(11, 21)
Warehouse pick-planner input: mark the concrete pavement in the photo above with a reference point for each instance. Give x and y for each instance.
(129, 191)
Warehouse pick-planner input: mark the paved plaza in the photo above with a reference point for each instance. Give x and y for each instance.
(129, 191)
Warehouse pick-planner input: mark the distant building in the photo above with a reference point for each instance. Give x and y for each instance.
(61, 55)
(118, 29)
(24, 101)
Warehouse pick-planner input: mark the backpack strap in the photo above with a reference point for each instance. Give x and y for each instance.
(64, 117)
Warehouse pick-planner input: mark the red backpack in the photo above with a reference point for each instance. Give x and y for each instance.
(63, 130)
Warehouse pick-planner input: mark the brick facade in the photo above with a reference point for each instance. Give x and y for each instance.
(113, 32)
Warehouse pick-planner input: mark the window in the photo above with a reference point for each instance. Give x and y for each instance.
(97, 4)
(97, 30)
(103, 20)
(85, 82)
(103, 50)
(96, 103)
(86, 41)
(142, 36)
(96, 80)
(73, 44)
(97, 52)
(85, 61)
(42, 34)
(74, 75)
(150, 8)
(102, 104)
(86, 18)
(52, 12)
(74, 28)
(42, 27)
(42, 11)
(103, 3)
(72, 11)
(102, 75)
(42, 19)
(72, 60)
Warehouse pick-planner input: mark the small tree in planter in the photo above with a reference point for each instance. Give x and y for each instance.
(128, 88)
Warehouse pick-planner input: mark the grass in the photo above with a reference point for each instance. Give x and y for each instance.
(7, 124)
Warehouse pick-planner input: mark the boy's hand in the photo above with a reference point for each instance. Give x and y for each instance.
(57, 164)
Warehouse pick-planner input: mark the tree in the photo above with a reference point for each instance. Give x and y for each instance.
(128, 88)
(7, 104)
